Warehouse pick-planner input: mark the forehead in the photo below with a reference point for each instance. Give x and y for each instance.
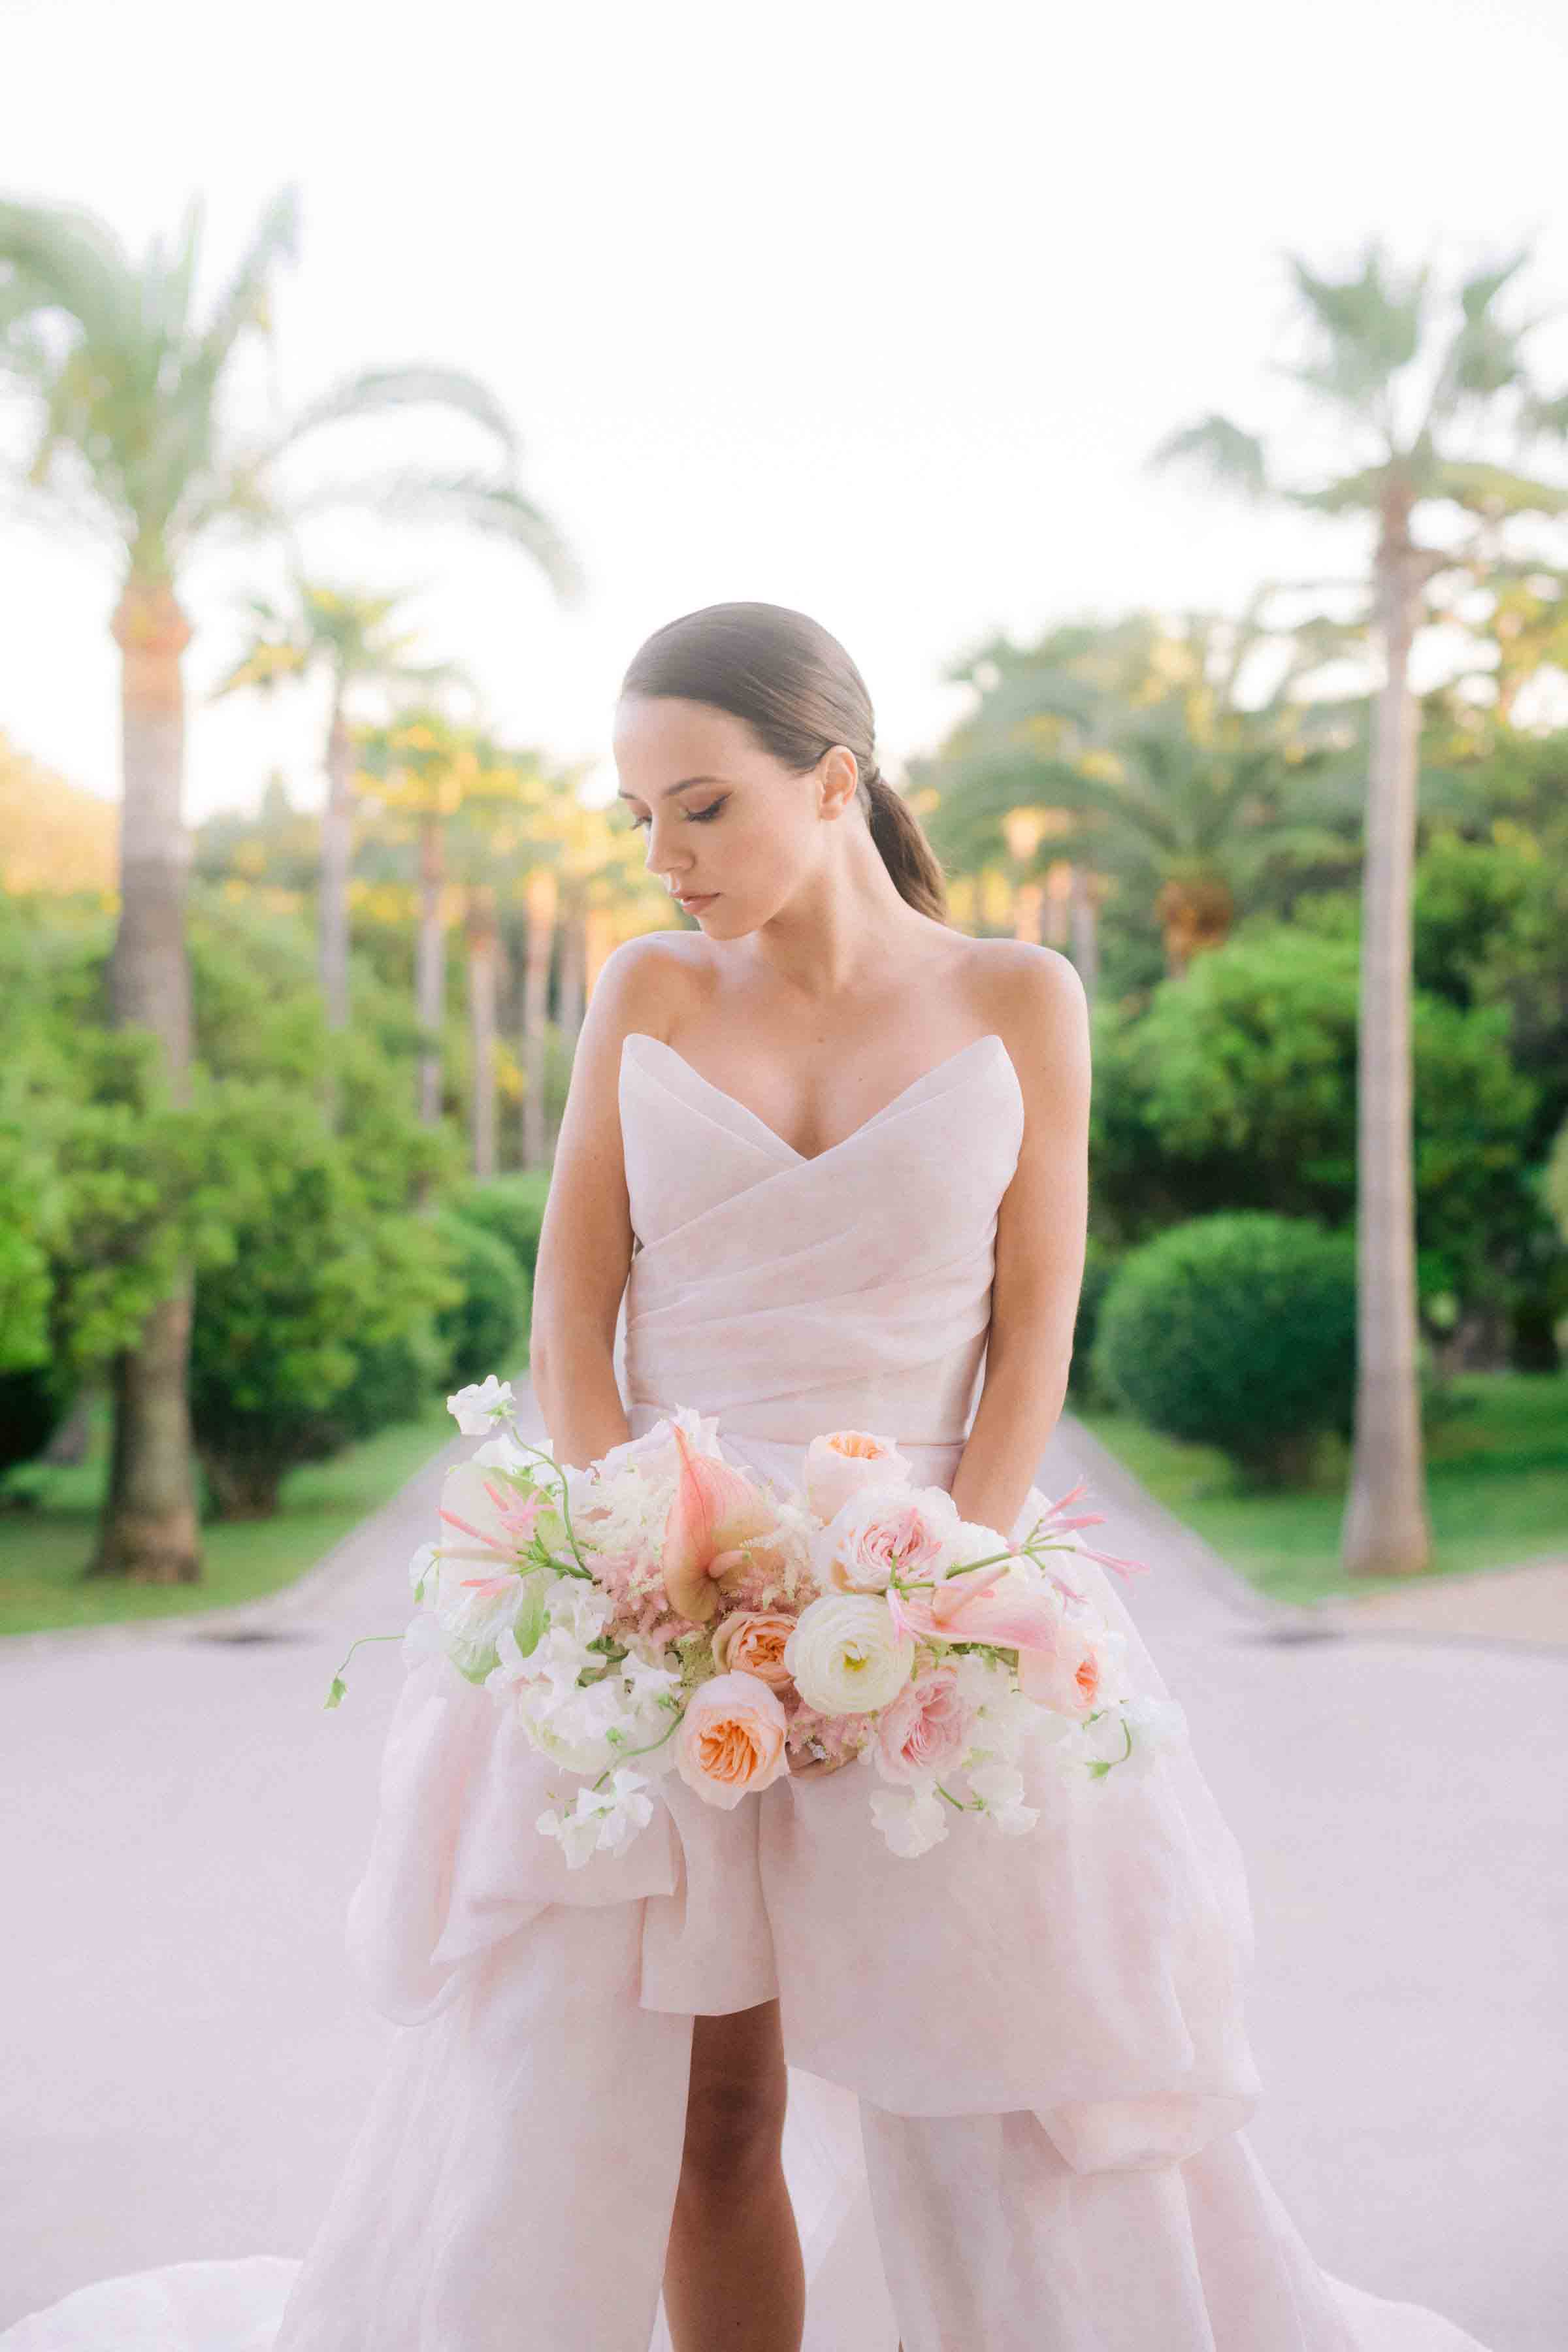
(658, 738)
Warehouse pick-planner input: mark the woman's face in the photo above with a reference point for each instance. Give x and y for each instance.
(728, 827)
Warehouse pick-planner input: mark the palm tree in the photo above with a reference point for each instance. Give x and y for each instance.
(131, 392)
(1131, 749)
(351, 638)
(424, 767)
(1415, 400)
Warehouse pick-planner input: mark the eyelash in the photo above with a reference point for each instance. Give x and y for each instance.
(698, 817)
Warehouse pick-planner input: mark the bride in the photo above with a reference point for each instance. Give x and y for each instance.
(823, 1165)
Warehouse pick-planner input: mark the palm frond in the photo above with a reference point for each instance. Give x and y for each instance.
(1493, 491)
(474, 501)
(245, 300)
(1228, 458)
(1368, 327)
(374, 390)
(60, 258)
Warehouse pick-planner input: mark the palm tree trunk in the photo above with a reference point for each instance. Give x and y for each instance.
(482, 946)
(571, 976)
(541, 901)
(149, 1531)
(1085, 929)
(430, 975)
(1385, 1530)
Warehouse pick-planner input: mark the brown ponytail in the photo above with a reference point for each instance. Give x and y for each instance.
(799, 692)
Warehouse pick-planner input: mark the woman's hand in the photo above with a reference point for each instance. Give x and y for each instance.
(816, 1766)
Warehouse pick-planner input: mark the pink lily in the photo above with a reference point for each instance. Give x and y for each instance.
(1012, 1621)
(1053, 1524)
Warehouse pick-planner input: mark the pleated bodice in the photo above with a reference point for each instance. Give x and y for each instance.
(793, 1295)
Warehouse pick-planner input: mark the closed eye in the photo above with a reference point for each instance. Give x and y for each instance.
(698, 817)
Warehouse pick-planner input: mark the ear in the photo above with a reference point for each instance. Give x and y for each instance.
(837, 776)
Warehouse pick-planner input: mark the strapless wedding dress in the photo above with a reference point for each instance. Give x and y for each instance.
(1020, 2072)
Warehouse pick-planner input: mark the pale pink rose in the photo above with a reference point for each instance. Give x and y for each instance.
(1080, 1674)
(881, 1528)
(732, 1740)
(838, 1464)
(926, 1728)
(751, 1642)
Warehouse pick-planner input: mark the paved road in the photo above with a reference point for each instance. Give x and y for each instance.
(186, 2058)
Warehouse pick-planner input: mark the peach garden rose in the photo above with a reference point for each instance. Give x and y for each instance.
(751, 1642)
(842, 1461)
(732, 1740)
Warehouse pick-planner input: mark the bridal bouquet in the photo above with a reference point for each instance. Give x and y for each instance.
(664, 1609)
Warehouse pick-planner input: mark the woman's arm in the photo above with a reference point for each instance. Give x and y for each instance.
(586, 1241)
(1041, 1232)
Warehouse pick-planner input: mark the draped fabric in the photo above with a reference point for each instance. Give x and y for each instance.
(1043, 2034)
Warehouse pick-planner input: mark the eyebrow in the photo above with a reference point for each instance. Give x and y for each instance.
(676, 788)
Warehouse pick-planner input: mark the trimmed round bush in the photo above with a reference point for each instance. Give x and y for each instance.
(1239, 1331)
(510, 1207)
(486, 1330)
(1099, 1265)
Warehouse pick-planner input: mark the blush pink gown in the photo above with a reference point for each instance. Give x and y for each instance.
(1040, 2038)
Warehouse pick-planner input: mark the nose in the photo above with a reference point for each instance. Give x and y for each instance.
(668, 866)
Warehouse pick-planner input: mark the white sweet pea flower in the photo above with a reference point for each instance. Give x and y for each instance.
(647, 1681)
(602, 1821)
(1000, 1788)
(655, 1453)
(479, 1407)
(911, 1820)
(423, 1639)
(1132, 1737)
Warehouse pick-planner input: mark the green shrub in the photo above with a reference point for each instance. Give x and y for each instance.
(1084, 1387)
(510, 1207)
(316, 1280)
(485, 1329)
(1236, 1330)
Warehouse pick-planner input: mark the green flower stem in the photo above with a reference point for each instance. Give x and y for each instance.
(339, 1685)
(582, 1568)
(639, 1751)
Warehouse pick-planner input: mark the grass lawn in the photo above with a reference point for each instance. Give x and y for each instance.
(1497, 1464)
(43, 1551)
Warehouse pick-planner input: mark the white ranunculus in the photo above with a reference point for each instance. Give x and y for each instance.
(969, 1541)
(846, 1655)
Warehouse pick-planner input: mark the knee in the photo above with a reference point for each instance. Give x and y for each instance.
(734, 2132)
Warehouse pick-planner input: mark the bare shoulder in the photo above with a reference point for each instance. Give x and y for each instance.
(1036, 1000)
(642, 984)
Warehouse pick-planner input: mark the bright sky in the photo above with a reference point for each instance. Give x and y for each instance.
(868, 309)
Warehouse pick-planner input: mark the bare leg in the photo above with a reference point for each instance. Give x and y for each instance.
(733, 2277)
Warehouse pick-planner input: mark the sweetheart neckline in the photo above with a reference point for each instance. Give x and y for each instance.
(810, 1158)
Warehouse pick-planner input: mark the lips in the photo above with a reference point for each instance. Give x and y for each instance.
(699, 898)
